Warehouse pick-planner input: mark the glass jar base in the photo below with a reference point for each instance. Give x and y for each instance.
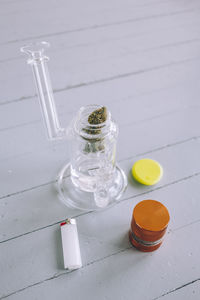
(72, 196)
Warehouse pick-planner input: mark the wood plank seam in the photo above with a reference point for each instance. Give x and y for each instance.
(91, 263)
(121, 160)
(102, 26)
(122, 125)
(63, 273)
(177, 288)
(125, 37)
(111, 78)
(160, 148)
(123, 200)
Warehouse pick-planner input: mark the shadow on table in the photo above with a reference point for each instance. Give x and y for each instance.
(59, 252)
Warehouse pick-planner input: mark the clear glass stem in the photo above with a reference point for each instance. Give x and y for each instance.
(38, 61)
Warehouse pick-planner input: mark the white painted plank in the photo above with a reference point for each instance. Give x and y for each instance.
(141, 84)
(126, 35)
(93, 64)
(37, 208)
(41, 163)
(190, 291)
(127, 274)
(75, 16)
(34, 133)
(101, 44)
(157, 91)
(37, 256)
(188, 21)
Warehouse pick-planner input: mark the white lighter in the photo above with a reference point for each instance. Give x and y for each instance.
(70, 244)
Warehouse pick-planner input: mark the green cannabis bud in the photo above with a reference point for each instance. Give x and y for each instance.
(97, 117)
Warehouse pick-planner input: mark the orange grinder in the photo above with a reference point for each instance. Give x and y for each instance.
(148, 226)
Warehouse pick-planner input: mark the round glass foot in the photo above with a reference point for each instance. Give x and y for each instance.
(72, 196)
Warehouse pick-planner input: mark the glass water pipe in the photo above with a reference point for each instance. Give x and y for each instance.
(91, 180)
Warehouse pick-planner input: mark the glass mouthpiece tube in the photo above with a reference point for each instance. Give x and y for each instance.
(38, 61)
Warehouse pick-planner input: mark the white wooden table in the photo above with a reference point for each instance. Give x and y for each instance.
(140, 58)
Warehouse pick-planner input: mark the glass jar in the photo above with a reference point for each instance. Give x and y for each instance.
(92, 151)
(96, 181)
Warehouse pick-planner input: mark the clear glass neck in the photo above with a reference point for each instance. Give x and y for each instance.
(38, 61)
